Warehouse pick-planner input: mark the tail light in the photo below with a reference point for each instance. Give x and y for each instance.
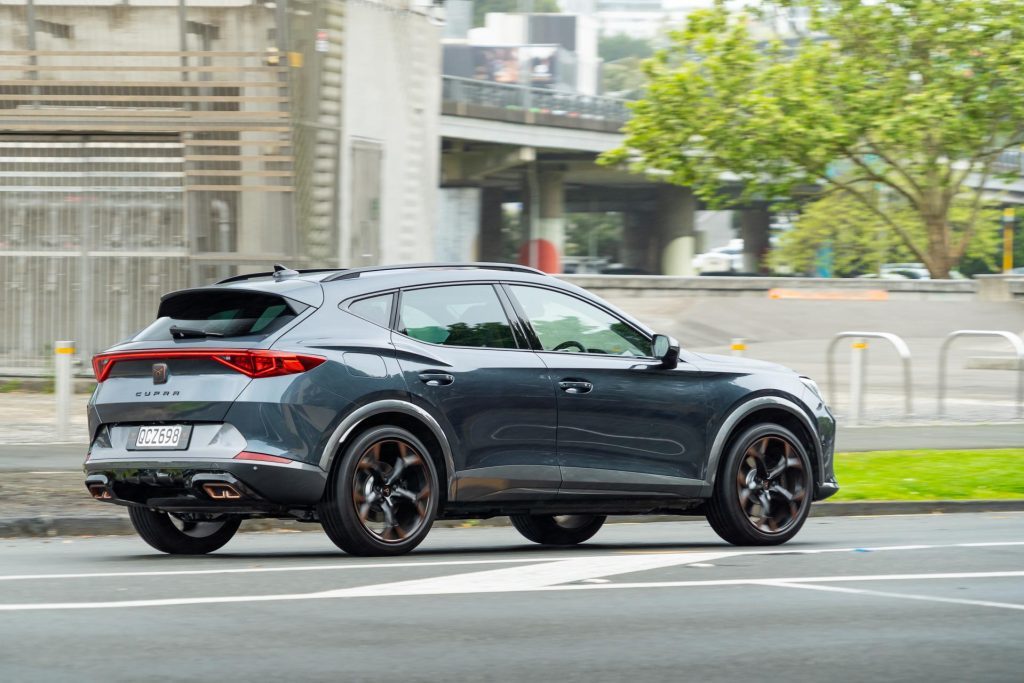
(254, 363)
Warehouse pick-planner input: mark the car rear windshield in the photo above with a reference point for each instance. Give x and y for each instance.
(228, 314)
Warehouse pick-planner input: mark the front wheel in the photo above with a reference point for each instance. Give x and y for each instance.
(192, 535)
(762, 494)
(557, 529)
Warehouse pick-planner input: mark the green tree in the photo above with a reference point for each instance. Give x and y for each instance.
(860, 242)
(612, 48)
(915, 96)
(597, 234)
(482, 7)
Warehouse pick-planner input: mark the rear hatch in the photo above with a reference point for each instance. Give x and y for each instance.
(194, 360)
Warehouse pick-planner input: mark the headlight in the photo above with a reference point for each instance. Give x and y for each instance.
(813, 386)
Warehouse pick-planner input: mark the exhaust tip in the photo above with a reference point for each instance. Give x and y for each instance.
(100, 492)
(221, 491)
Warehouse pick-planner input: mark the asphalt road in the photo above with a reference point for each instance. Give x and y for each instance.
(894, 599)
(42, 457)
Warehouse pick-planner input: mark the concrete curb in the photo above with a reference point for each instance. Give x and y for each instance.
(106, 525)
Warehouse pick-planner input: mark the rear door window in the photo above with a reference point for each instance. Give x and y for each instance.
(457, 315)
(226, 314)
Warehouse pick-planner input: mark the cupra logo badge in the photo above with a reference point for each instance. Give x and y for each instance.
(159, 373)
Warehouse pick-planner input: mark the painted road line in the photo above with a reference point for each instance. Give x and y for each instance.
(518, 579)
(531, 560)
(262, 570)
(499, 581)
(900, 596)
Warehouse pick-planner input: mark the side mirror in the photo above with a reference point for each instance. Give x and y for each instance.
(667, 349)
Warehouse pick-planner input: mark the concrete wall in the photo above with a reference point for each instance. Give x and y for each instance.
(391, 97)
(656, 286)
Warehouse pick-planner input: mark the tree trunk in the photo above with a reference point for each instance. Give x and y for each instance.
(939, 260)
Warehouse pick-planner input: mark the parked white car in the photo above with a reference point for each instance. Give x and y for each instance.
(727, 259)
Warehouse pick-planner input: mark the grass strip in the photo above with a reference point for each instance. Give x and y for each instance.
(931, 475)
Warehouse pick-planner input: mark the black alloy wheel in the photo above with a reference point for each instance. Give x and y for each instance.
(557, 529)
(764, 489)
(383, 495)
(182, 534)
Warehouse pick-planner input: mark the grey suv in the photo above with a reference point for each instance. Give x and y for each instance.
(376, 400)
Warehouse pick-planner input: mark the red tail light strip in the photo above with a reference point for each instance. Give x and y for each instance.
(253, 362)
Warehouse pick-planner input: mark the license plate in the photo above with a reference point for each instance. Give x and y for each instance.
(160, 438)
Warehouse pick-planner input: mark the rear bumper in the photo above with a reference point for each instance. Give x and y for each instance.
(170, 484)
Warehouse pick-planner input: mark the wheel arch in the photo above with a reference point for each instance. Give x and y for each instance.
(774, 409)
(400, 414)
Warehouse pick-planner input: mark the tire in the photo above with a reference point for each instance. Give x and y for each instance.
(557, 529)
(763, 491)
(368, 509)
(163, 532)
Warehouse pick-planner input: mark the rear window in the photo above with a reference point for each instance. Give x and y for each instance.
(228, 314)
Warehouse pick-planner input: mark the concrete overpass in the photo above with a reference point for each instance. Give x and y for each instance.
(513, 143)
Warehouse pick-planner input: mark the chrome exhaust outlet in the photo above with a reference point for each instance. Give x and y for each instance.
(221, 491)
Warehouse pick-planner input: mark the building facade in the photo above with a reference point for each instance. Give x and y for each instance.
(150, 145)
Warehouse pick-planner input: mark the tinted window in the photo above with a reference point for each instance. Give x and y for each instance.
(221, 314)
(376, 309)
(462, 315)
(565, 323)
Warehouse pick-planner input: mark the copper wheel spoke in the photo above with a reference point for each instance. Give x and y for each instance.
(772, 484)
(391, 490)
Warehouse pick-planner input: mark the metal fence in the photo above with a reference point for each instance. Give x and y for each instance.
(485, 99)
(124, 175)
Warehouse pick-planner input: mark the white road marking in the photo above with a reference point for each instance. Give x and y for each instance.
(794, 580)
(260, 570)
(532, 560)
(513, 579)
(901, 596)
(517, 579)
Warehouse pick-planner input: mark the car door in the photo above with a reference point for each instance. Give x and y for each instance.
(465, 362)
(625, 424)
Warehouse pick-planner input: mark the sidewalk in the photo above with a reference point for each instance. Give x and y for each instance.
(28, 417)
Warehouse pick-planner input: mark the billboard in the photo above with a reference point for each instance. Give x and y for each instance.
(536, 65)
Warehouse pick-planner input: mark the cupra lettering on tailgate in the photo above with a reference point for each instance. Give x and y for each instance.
(155, 394)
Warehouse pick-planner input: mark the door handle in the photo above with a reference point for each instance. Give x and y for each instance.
(436, 379)
(574, 386)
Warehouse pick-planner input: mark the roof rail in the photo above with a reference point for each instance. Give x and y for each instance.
(356, 272)
(250, 276)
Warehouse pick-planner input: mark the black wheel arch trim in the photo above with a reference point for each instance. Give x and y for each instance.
(742, 411)
(351, 422)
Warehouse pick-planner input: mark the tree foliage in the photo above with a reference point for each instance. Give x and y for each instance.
(916, 97)
(612, 48)
(860, 242)
(482, 7)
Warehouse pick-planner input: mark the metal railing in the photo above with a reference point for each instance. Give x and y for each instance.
(486, 99)
(1015, 341)
(858, 370)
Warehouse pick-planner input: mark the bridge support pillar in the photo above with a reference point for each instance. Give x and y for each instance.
(674, 221)
(638, 241)
(755, 227)
(544, 248)
(491, 218)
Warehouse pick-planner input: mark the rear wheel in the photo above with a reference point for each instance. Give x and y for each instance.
(557, 529)
(383, 494)
(184, 535)
(763, 492)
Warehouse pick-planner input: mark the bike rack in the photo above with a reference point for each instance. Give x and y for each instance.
(1015, 341)
(858, 370)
